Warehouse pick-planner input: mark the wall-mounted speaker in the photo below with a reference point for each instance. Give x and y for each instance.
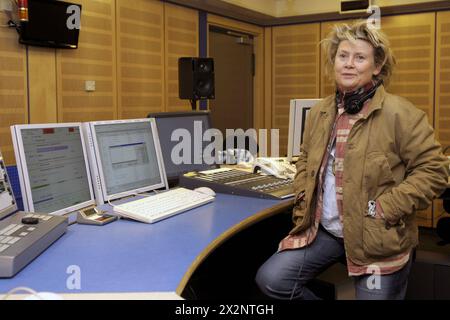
(196, 78)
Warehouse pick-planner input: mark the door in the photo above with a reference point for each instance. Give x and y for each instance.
(233, 57)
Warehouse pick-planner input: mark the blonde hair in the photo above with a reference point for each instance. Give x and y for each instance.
(360, 30)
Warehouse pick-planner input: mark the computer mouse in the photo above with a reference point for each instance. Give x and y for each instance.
(206, 190)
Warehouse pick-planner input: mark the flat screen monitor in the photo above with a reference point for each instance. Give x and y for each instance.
(298, 111)
(53, 167)
(173, 145)
(51, 24)
(125, 157)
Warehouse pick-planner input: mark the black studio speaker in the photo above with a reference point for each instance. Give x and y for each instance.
(196, 78)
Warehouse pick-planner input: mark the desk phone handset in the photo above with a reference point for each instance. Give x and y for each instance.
(92, 215)
(278, 167)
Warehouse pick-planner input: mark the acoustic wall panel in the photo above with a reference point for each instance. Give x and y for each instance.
(13, 87)
(295, 71)
(140, 57)
(95, 59)
(181, 40)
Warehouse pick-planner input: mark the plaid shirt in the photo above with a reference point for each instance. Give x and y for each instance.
(341, 130)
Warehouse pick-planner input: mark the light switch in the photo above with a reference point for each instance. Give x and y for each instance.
(89, 85)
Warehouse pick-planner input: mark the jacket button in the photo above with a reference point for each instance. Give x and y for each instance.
(387, 226)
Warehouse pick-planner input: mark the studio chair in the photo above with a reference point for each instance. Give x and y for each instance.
(443, 225)
(429, 278)
(430, 274)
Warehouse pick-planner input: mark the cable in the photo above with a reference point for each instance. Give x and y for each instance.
(18, 289)
(113, 205)
(110, 203)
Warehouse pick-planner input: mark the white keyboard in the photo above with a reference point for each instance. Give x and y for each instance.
(162, 205)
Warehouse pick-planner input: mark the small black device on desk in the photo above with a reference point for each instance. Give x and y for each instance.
(238, 182)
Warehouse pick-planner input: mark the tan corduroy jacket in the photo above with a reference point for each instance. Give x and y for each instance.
(391, 156)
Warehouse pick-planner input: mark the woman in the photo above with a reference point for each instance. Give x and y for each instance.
(369, 161)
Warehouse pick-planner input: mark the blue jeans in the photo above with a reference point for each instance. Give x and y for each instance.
(285, 274)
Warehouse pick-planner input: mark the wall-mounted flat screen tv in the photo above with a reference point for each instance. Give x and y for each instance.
(51, 24)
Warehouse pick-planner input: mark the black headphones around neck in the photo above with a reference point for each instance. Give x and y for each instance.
(355, 102)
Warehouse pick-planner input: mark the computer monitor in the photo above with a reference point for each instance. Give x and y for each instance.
(53, 167)
(298, 112)
(193, 122)
(125, 157)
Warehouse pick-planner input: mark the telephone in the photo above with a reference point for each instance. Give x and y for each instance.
(278, 167)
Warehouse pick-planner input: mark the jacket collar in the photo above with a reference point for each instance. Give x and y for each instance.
(377, 101)
(328, 108)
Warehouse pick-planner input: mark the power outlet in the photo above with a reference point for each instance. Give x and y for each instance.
(89, 85)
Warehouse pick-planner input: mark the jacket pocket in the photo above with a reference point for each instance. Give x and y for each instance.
(380, 241)
(378, 177)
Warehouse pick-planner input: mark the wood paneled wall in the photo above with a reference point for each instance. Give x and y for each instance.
(42, 85)
(95, 59)
(327, 86)
(442, 111)
(442, 93)
(13, 87)
(181, 40)
(413, 42)
(140, 57)
(295, 71)
(129, 48)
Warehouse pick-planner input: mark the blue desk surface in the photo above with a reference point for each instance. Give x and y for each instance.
(129, 256)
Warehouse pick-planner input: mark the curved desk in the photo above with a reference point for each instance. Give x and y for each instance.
(128, 259)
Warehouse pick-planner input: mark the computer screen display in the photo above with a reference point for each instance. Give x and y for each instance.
(298, 112)
(195, 123)
(127, 157)
(53, 167)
